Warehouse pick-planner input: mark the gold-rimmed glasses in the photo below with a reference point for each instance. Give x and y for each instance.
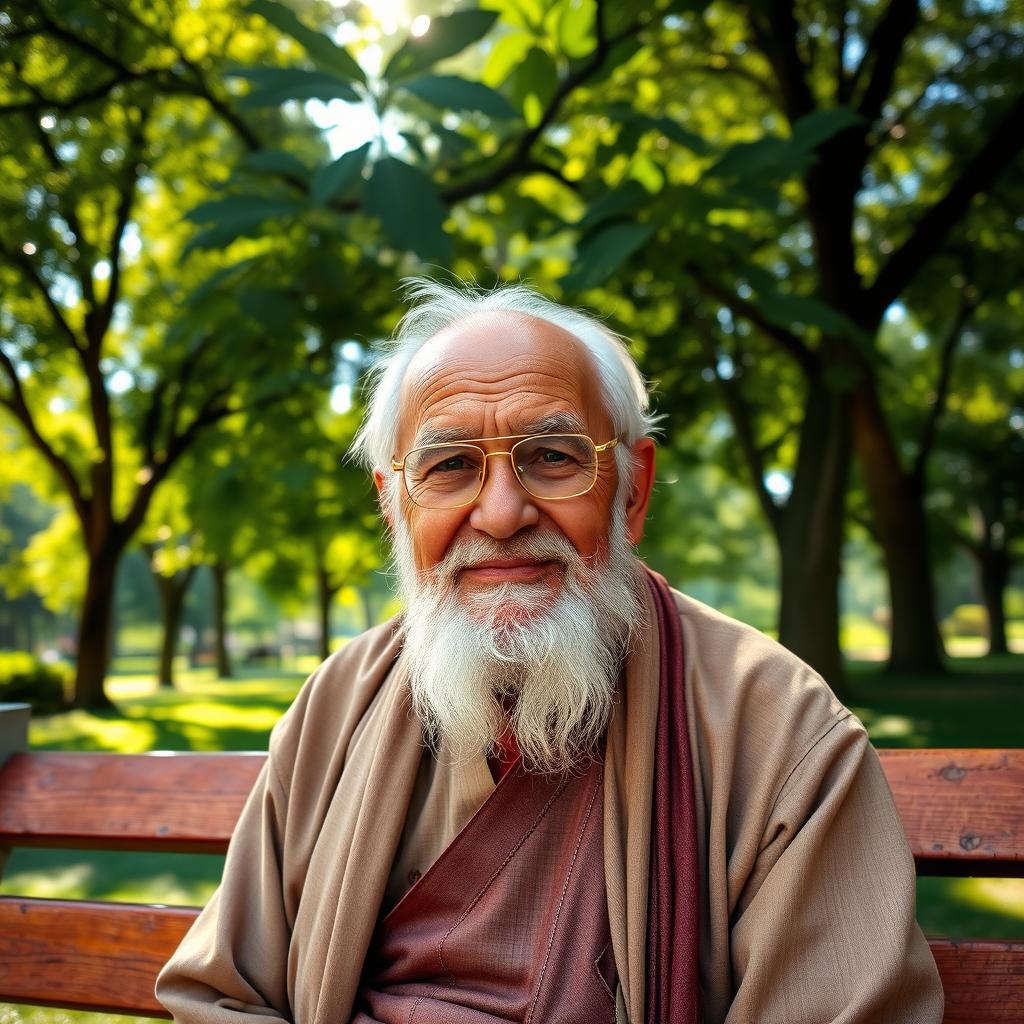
(551, 467)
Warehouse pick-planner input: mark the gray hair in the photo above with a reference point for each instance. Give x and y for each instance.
(437, 306)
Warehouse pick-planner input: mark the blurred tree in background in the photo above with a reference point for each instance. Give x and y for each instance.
(806, 217)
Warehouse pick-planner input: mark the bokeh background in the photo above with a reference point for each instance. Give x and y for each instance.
(806, 217)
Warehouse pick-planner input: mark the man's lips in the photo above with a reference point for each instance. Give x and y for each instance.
(508, 570)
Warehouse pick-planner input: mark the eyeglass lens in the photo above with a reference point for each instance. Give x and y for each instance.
(548, 466)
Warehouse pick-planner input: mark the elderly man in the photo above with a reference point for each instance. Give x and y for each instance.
(554, 790)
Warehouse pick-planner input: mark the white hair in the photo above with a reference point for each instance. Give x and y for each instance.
(437, 306)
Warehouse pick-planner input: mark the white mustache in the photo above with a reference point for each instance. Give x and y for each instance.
(540, 547)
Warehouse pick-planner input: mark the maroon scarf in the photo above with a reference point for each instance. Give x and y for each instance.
(673, 907)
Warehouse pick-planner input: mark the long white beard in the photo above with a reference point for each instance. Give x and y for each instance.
(553, 664)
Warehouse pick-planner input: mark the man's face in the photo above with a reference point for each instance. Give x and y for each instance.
(501, 374)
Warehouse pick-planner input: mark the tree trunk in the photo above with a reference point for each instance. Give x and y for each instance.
(897, 505)
(811, 534)
(993, 576)
(93, 658)
(220, 615)
(172, 601)
(325, 594)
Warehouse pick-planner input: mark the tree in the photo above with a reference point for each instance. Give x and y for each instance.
(86, 297)
(799, 238)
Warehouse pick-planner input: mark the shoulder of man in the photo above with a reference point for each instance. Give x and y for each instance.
(758, 710)
(335, 697)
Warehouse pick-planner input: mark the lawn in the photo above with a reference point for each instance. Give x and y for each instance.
(980, 703)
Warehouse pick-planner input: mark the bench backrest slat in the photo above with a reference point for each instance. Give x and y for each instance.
(105, 956)
(963, 810)
(186, 803)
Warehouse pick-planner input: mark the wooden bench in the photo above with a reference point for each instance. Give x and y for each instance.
(963, 811)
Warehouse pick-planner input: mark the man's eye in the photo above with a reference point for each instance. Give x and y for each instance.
(551, 456)
(453, 465)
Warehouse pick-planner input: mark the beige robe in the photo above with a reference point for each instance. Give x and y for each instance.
(807, 884)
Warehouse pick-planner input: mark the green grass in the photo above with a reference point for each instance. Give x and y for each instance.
(979, 703)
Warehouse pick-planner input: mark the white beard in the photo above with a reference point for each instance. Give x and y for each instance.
(552, 662)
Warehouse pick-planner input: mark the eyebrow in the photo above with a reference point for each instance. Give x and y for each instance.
(554, 423)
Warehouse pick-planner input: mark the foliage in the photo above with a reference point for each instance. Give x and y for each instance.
(26, 679)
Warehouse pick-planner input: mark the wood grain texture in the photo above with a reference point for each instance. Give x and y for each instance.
(962, 810)
(90, 956)
(184, 803)
(104, 956)
(983, 980)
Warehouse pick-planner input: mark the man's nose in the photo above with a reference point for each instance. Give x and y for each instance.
(503, 507)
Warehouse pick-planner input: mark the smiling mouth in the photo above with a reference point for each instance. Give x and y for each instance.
(508, 570)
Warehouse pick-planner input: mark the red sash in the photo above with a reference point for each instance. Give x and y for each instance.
(673, 909)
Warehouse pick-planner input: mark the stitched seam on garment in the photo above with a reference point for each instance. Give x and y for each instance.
(806, 754)
(561, 903)
(490, 881)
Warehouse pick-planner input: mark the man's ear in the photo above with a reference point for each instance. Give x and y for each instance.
(382, 498)
(643, 457)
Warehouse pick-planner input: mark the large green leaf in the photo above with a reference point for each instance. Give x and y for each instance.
(449, 92)
(576, 27)
(337, 177)
(668, 127)
(322, 50)
(446, 37)
(815, 128)
(533, 83)
(406, 203)
(274, 86)
(234, 217)
(779, 158)
(627, 198)
(600, 253)
(275, 161)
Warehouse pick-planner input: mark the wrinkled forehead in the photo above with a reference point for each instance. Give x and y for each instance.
(500, 372)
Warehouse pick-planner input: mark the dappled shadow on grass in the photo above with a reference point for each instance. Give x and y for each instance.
(203, 714)
(978, 703)
(184, 879)
(977, 908)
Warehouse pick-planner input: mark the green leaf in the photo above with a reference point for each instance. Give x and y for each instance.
(275, 161)
(533, 83)
(214, 282)
(777, 157)
(322, 50)
(815, 128)
(602, 252)
(406, 203)
(449, 92)
(277, 85)
(234, 217)
(453, 145)
(335, 178)
(671, 129)
(446, 37)
(627, 198)
(575, 27)
(505, 57)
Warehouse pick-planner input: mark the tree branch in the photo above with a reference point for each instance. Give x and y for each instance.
(19, 407)
(519, 158)
(883, 52)
(743, 426)
(790, 343)
(776, 36)
(976, 177)
(21, 260)
(938, 406)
